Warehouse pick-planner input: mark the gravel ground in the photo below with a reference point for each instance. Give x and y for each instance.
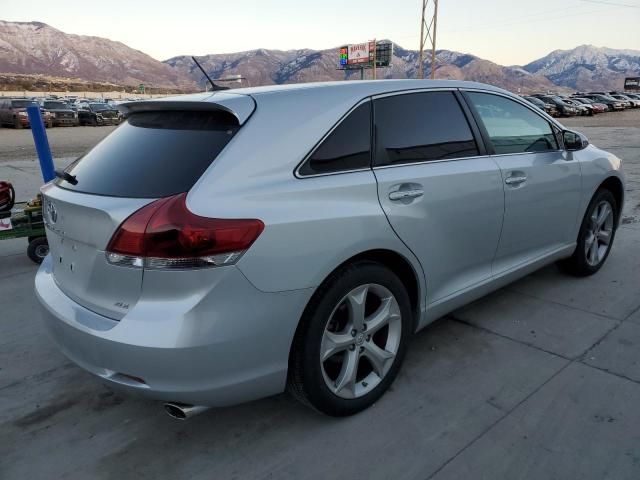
(618, 133)
(66, 142)
(624, 118)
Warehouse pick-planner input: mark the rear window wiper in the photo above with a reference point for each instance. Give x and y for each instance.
(66, 176)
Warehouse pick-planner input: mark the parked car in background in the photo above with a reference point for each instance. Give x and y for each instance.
(13, 113)
(611, 103)
(597, 107)
(62, 114)
(583, 109)
(634, 96)
(98, 114)
(564, 109)
(630, 102)
(545, 107)
(176, 274)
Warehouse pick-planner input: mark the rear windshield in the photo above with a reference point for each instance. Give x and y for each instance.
(20, 103)
(153, 154)
(56, 105)
(97, 107)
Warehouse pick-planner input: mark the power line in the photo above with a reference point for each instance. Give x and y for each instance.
(525, 21)
(611, 3)
(531, 17)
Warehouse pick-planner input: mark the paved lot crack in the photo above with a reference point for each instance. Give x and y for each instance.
(578, 359)
(519, 342)
(490, 427)
(530, 295)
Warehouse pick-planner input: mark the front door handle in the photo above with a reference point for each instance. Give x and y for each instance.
(516, 180)
(405, 194)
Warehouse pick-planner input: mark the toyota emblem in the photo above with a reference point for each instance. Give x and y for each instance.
(52, 213)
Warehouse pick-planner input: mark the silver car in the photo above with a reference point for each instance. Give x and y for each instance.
(218, 248)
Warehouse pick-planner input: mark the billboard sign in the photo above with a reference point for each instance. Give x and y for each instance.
(632, 83)
(359, 53)
(362, 55)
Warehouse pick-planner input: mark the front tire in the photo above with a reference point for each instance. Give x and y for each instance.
(351, 340)
(596, 236)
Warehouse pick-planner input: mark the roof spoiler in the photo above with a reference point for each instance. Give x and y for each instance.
(240, 106)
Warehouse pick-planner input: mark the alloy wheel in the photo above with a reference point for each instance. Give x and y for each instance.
(360, 341)
(599, 235)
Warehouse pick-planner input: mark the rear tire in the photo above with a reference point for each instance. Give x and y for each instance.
(17, 124)
(595, 238)
(38, 249)
(351, 340)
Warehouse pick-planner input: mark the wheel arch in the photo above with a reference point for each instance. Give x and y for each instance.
(614, 185)
(399, 265)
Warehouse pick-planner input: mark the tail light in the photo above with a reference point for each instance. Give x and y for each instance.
(166, 235)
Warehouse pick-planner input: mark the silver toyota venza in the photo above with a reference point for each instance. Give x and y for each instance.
(218, 248)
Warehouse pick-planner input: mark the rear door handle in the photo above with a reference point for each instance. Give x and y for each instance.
(404, 194)
(517, 180)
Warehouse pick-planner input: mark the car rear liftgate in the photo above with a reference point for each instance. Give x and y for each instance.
(161, 150)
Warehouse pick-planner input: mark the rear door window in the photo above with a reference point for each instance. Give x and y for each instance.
(347, 147)
(512, 127)
(153, 154)
(421, 127)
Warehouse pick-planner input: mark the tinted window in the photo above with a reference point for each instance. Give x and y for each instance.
(420, 127)
(97, 107)
(535, 101)
(21, 103)
(153, 154)
(56, 105)
(348, 146)
(513, 128)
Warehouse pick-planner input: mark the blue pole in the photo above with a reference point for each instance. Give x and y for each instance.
(41, 141)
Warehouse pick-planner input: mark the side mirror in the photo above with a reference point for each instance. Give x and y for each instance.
(574, 141)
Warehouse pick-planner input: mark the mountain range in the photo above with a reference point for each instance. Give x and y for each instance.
(262, 67)
(37, 48)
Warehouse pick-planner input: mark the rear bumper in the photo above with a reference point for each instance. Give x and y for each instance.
(61, 122)
(230, 347)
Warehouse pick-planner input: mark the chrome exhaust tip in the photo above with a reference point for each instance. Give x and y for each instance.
(182, 411)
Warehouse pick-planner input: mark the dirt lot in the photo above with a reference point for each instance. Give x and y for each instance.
(538, 380)
(618, 133)
(65, 142)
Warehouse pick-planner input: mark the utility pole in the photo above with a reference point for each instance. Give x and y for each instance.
(428, 24)
(375, 51)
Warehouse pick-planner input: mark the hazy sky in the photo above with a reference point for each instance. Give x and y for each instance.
(505, 31)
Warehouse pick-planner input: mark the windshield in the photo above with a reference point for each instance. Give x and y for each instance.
(535, 101)
(96, 107)
(56, 106)
(552, 100)
(605, 97)
(20, 103)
